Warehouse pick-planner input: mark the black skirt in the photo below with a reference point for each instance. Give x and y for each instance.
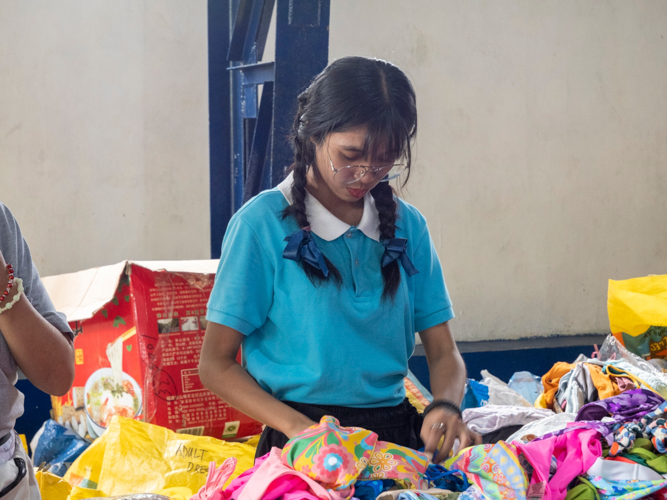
(396, 424)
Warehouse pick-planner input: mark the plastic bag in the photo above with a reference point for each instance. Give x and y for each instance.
(52, 487)
(476, 395)
(638, 314)
(134, 456)
(500, 393)
(56, 446)
(647, 374)
(528, 385)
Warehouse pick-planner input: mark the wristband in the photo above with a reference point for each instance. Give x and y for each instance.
(443, 403)
(18, 282)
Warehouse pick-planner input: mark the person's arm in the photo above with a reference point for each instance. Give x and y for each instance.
(223, 375)
(44, 355)
(448, 378)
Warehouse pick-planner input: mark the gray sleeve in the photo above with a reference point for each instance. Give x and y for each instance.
(16, 252)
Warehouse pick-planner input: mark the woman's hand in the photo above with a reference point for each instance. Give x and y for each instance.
(442, 422)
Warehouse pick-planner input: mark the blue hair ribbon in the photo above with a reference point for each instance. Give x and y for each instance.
(302, 247)
(394, 249)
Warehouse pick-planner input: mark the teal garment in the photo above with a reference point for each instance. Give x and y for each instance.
(325, 345)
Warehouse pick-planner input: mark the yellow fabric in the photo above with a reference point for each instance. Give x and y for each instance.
(635, 305)
(540, 402)
(135, 457)
(551, 379)
(602, 382)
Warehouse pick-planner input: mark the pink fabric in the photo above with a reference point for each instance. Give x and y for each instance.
(236, 486)
(575, 453)
(625, 384)
(215, 480)
(270, 479)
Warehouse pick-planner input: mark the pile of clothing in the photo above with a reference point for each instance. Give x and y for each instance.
(595, 429)
(330, 462)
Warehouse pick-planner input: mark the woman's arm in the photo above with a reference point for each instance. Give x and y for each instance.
(44, 355)
(223, 375)
(448, 378)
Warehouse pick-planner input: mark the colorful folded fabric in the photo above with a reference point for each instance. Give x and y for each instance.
(494, 469)
(390, 461)
(652, 426)
(624, 489)
(338, 456)
(333, 455)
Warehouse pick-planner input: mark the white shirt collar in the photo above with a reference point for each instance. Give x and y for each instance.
(325, 224)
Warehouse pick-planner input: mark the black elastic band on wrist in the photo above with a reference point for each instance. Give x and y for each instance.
(443, 403)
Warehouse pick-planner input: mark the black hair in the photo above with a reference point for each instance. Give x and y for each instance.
(350, 93)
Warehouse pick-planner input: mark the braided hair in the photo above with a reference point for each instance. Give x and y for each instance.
(350, 93)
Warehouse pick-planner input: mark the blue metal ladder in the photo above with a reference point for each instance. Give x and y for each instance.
(249, 146)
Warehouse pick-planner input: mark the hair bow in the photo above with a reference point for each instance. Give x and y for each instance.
(395, 249)
(302, 247)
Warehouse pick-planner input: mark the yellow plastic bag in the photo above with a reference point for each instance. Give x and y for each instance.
(136, 457)
(52, 487)
(638, 315)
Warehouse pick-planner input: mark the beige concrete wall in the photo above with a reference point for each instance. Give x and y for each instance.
(104, 129)
(540, 161)
(542, 148)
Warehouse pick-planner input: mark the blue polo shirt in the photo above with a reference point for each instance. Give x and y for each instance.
(324, 344)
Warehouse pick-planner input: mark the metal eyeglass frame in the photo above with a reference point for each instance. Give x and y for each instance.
(367, 170)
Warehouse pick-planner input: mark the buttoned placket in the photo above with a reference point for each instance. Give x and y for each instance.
(351, 240)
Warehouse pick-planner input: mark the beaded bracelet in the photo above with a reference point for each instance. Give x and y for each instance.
(443, 403)
(10, 283)
(19, 290)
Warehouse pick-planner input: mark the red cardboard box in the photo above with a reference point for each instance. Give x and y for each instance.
(148, 318)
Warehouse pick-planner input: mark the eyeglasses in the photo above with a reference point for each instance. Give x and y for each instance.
(354, 173)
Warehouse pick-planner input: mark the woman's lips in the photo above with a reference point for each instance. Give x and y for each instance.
(357, 193)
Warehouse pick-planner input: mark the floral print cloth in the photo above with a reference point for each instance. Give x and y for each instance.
(626, 489)
(652, 426)
(494, 469)
(338, 456)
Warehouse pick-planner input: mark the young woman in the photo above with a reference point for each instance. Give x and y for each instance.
(34, 338)
(325, 279)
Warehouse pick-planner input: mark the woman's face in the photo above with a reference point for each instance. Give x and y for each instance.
(342, 149)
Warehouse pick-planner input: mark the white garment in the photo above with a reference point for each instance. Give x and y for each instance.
(325, 224)
(18, 475)
(541, 427)
(617, 471)
(492, 417)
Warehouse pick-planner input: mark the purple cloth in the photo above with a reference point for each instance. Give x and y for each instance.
(627, 406)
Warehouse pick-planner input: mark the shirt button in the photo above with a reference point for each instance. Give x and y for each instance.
(348, 235)
(356, 262)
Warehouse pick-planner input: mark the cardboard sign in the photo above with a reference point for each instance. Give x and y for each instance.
(139, 328)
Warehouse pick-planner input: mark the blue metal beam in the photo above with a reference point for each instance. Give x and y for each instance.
(260, 141)
(249, 146)
(219, 122)
(302, 51)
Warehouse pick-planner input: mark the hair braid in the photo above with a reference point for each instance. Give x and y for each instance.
(386, 206)
(304, 155)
